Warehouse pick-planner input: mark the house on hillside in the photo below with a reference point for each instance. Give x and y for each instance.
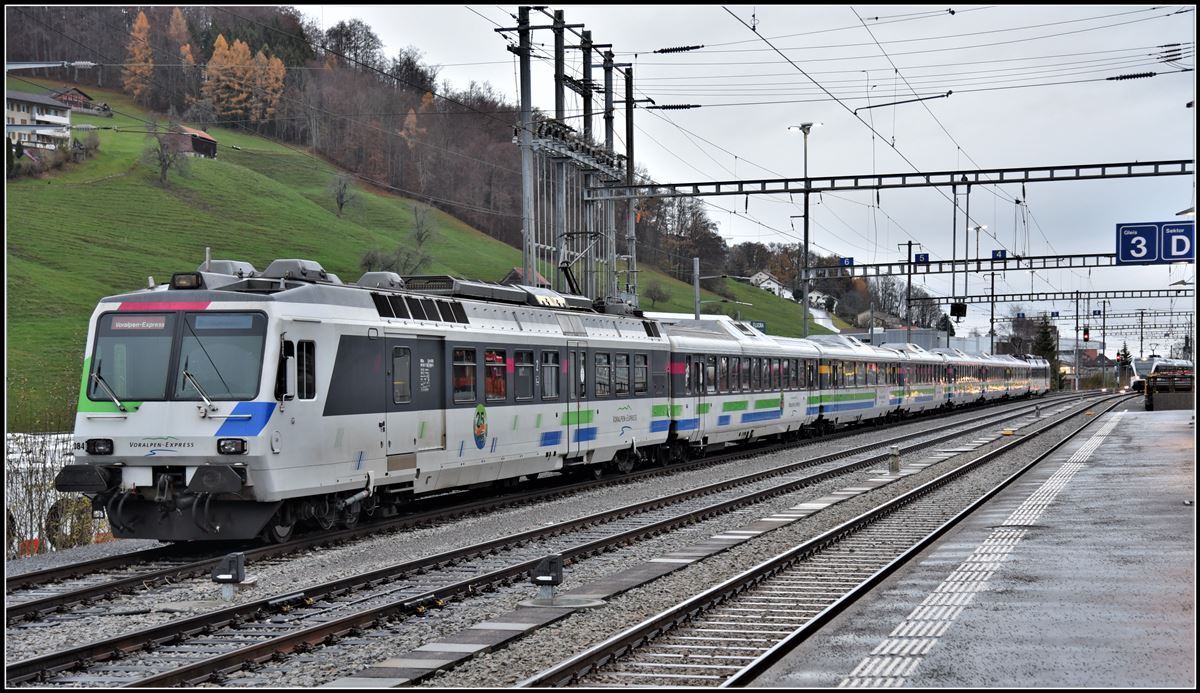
(80, 101)
(768, 282)
(73, 97)
(36, 120)
(195, 142)
(517, 276)
(822, 301)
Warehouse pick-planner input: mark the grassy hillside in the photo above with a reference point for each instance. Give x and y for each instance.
(103, 226)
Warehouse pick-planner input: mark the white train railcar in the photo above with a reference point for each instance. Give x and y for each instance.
(230, 403)
(731, 383)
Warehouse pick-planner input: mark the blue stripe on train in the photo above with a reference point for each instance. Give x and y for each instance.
(583, 435)
(723, 420)
(660, 425)
(687, 424)
(260, 413)
(550, 438)
(845, 406)
(762, 416)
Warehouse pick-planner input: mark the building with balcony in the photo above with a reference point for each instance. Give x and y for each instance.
(35, 120)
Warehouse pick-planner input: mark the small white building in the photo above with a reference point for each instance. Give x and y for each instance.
(816, 299)
(40, 120)
(767, 282)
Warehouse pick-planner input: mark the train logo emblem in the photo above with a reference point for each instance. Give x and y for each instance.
(480, 426)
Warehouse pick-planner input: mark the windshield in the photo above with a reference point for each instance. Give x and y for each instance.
(132, 356)
(221, 352)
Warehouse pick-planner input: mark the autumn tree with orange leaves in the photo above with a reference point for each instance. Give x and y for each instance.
(139, 61)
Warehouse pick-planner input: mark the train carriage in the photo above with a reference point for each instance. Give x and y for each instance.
(288, 396)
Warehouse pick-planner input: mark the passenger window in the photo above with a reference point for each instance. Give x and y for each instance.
(723, 374)
(603, 376)
(621, 374)
(550, 371)
(523, 372)
(495, 378)
(710, 374)
(641, 373)
(306, 370)
(401, 375)
(464, 375)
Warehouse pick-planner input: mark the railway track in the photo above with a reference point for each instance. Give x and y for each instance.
(41, 593)
(728, 635)
(196, 649)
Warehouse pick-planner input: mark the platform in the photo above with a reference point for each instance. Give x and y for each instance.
(1080, 574)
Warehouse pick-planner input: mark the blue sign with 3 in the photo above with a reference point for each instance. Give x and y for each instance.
(1151, 243)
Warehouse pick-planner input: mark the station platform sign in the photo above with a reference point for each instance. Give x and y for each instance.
(1156, 243)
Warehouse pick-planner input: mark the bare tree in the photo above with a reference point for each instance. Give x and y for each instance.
(656, 292)
(166, 151)
(343, 192)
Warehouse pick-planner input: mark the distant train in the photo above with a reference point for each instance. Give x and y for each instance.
(232, 403)
(1143, 368)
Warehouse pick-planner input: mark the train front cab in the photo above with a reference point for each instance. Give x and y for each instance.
(173, 401)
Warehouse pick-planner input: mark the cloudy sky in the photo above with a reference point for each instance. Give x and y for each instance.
(1029, 89)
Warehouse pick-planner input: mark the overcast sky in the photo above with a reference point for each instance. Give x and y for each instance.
(1029, 90)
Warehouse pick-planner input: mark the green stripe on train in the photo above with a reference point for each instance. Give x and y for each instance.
(106, 405)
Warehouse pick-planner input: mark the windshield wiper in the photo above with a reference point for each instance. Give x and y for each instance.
(97, 378)
(192, 379)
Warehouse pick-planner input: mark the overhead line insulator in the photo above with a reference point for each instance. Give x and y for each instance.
(1135, 75)
(678, 49)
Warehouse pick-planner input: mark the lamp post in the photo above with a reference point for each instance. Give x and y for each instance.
(805, 128)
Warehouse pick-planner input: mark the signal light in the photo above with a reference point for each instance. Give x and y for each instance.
(1085, 334)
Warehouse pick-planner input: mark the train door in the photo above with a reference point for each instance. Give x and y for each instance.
(578, 410)
(416, 399)
(302, 428)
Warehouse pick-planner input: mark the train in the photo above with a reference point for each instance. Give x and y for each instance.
(1155, 364)
(233, 404)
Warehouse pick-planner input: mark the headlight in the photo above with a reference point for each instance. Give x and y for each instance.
(231, 446)
(100, 446)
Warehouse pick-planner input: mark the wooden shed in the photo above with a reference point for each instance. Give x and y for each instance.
(198, 142)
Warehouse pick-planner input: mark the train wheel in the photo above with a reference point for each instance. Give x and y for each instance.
(69, 523)
(351, 515)
(277, 533)
(624, 462)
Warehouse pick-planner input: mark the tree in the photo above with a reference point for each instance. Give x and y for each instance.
(1045, 345)
(945, 324)
(139, 59)
(165, 152)
(656, 292)
(343, 192)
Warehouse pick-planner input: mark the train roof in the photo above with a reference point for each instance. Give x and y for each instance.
(435, 302)
(845, 345)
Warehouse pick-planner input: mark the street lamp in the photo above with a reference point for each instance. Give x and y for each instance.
(967, 249)
(805, 128)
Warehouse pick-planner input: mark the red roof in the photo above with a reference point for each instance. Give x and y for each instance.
(197, 133)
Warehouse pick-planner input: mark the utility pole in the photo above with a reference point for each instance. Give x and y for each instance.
(908, 295)
(696, 287)
(630, 218)
(526, 142)
(1104, 341)
(1141, 333)
(586, 45)
(992, 320)
(1075, 346)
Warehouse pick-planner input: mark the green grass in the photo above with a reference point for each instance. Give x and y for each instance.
(103, 226)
